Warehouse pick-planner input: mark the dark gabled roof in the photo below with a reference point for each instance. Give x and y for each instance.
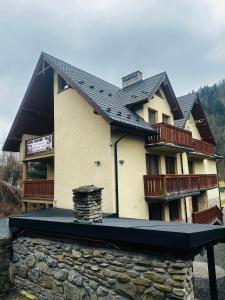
(145, 89)
(111, 102)
(141, 90)
(186, 103)
(101, 94)
(191, 103)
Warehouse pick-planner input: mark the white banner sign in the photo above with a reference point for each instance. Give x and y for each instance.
(40, 144)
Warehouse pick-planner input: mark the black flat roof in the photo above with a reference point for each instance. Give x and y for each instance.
(175, 237)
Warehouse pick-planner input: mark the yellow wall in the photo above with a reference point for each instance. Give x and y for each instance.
(158, 104)
(81, 138)
(191, 125)
(132, 202)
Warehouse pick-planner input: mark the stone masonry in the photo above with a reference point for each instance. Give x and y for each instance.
(57, 269)
(5, 255)
(88, 204)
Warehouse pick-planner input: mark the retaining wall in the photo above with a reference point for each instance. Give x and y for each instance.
(70, 269)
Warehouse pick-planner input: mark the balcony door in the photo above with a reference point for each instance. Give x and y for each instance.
(174, 209)
(170, 162)
(152, 164)
(155, 211)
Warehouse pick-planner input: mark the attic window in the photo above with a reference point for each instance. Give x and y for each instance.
(119, 113)
(81, 82)
(108, 109)
(110, 94)
(91, 86)
(62, 85)
(101, 91)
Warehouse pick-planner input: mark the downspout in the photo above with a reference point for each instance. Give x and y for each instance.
(218, 184)
(185, 204)
(116, 173)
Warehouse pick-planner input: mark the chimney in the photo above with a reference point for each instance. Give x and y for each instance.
(87, 204)
(131, 79)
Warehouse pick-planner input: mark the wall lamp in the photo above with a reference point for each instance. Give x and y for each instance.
(98, 163)
(121, 162)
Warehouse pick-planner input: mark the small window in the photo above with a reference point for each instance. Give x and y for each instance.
(165, 119)
(151, 116)
(62, 85)
(191, 167)
(170, 164)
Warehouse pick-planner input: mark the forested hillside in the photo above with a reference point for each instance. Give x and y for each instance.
(213, 100)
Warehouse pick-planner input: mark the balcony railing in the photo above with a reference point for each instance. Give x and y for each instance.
(39, 188)
(208, 216)
(38, 145)
(171, 134)
(203, 147)
(177, 185)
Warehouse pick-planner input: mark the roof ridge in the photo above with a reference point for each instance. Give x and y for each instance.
(49, 55)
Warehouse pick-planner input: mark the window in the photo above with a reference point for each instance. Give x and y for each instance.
(191, 167)
(151, 116)
(165, 119)
(155, 211)
(170, 165)
(152, 164)
(174, 208)
(194, 203)
(62, 85)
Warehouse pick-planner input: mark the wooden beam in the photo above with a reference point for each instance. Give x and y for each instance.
(38, 113)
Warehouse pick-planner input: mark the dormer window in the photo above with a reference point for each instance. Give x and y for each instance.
(62, 85)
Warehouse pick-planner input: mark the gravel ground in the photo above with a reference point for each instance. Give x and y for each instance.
(201, 273)
(4, 228)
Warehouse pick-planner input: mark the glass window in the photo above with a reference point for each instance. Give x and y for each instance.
(151, 116)
(170, 165)
(165, 119)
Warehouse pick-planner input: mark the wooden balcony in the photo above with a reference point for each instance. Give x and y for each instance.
(39, 188)
(172, 137)
(202, 148)
(211, 215)
(40, 146)
(176, 186)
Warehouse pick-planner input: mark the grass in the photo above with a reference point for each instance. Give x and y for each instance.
(223, 201)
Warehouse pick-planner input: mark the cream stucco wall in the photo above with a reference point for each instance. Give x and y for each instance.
(191, 125)
(81, 139)
(132, 202)
(160, 105)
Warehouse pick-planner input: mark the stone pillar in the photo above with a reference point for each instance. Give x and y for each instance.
(5, 255)
(88, 204)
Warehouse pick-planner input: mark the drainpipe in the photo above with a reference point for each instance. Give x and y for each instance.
(185, 204)
(218, 185)
(116, 173)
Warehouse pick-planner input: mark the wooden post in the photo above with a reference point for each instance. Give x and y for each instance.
(24, 177)
(212, 274)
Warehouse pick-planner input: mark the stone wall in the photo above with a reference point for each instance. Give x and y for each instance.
(5, 255)
(69, 269)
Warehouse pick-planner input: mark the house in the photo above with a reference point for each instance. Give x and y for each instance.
(153, 153)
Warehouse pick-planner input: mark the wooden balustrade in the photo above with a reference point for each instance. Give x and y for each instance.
(203, 147)
(175, 185)
(171, 134)
(39, 188)
(208, 216)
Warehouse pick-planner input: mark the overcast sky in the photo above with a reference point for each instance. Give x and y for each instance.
(111, 38)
